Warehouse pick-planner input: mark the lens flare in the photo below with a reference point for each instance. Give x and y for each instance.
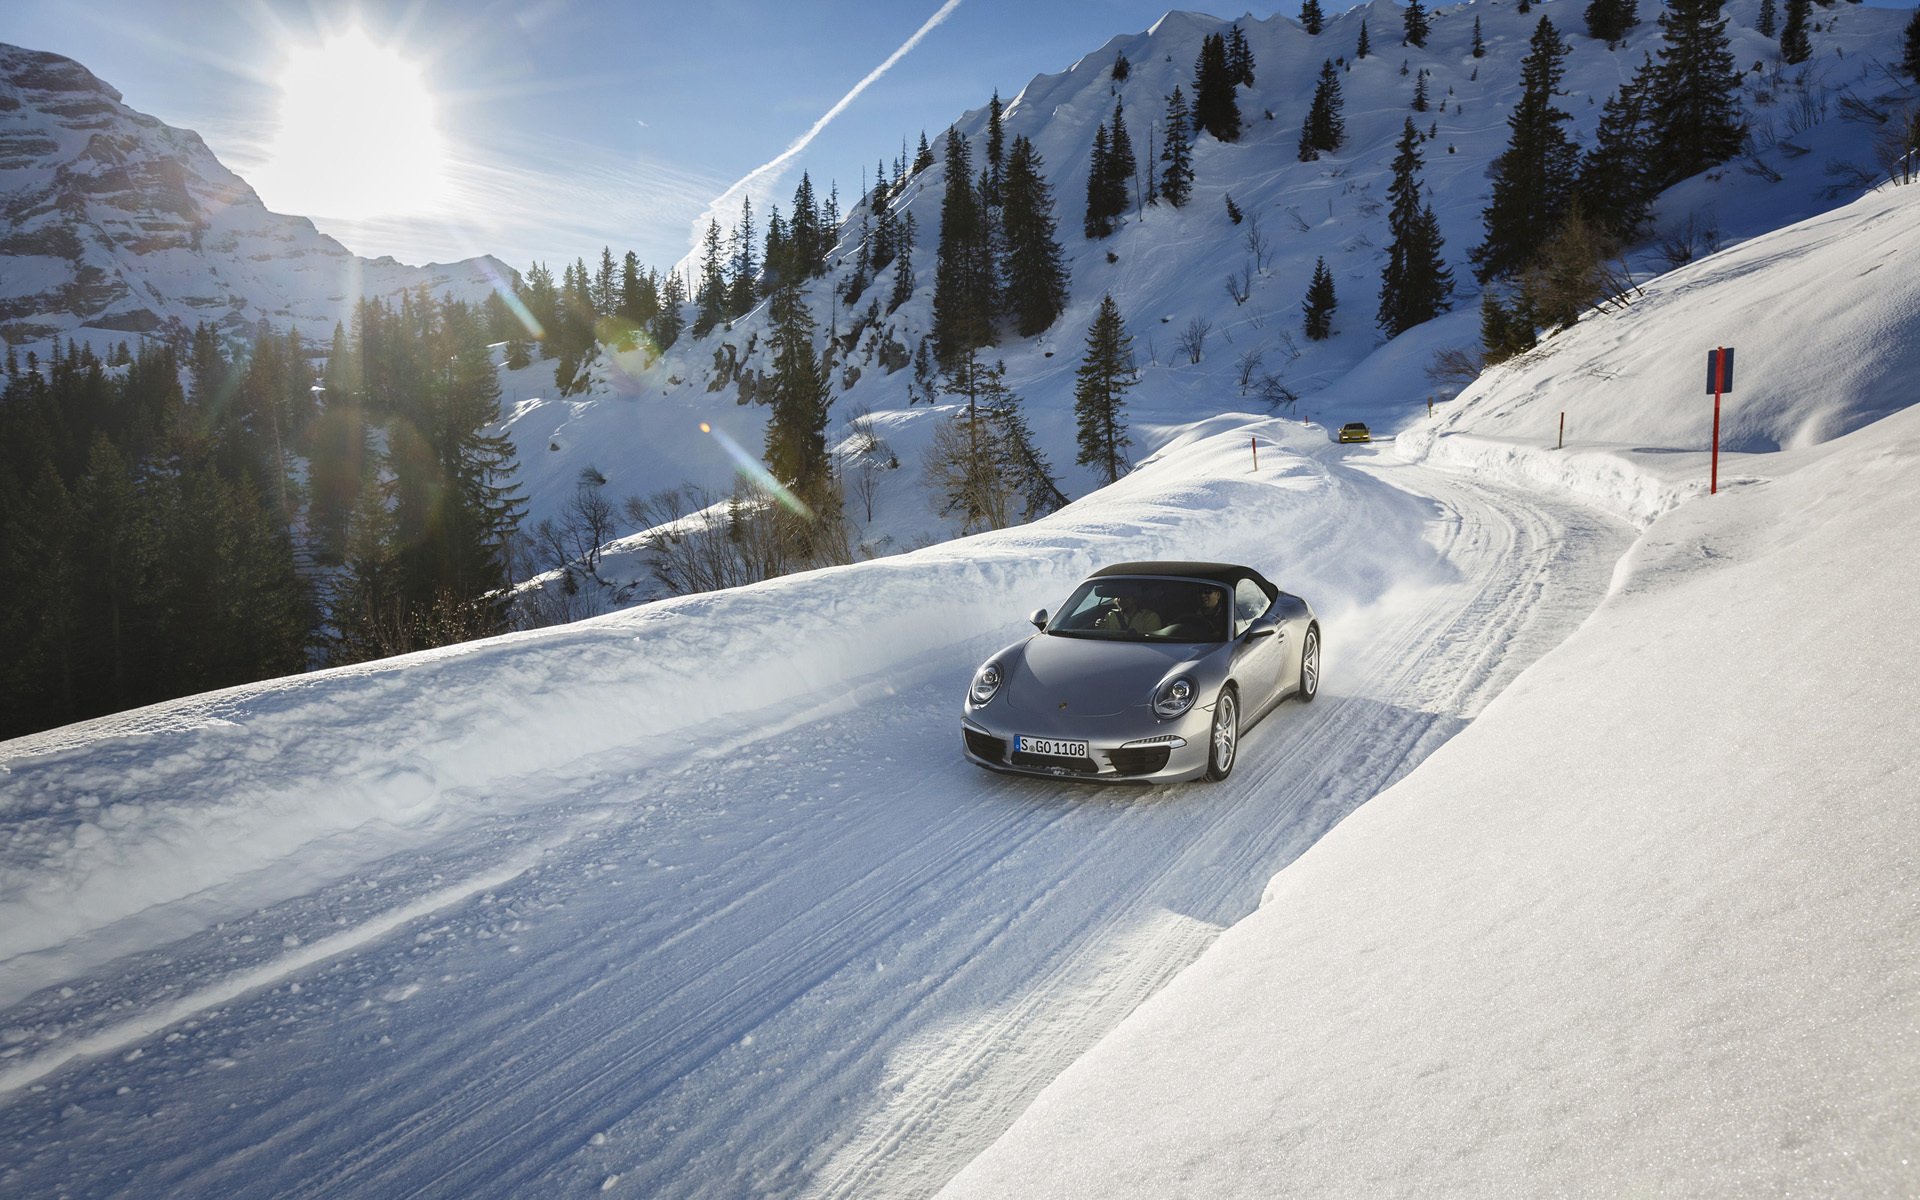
(503, 289)
(756, 473)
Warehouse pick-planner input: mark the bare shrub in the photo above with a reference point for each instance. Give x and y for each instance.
(1240, 285)
(1193, 339)
(1259, 245)
(1246, 367)
(1454, 368)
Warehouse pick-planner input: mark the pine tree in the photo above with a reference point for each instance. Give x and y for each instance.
(1121, 164)
(1311, 18)
(671, 319)
(542, 302)
(996, 150)
(1024, 465)
(1099, 220)
(1795, 47)
(1695, 103)
(1533, 178)
(1505, 329)
(365, 604)
(1417, 24)
(1616, 185)
(923, 156)
(1320, 303)
(1768, 22)
(1323, 131)
(1362, 47)
(605, 293)
(1239, 58)
(886, 231)
(806, 247)
(1176, 179)
(1911, 61)
(1033, 265)
(647, 301)
(742, 269)
(963, 282)
(1101, 382)
(903, 281)
(711, 298)
(1417, 284)
(1420, 91)
(1214, 107)
(1479, 44)
(1610, 20)
(856, 283)
(797, 392)
(1121, 67)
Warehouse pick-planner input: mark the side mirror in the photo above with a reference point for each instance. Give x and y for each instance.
(1039, 618)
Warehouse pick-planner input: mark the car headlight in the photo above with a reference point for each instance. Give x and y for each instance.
(986, 682)
(1174, 697)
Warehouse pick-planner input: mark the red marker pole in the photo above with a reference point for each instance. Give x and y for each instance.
(1719, 380)
(1254, 442)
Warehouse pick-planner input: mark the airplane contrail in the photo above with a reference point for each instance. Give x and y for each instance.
(774, 165)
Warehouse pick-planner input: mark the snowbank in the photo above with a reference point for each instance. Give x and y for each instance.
(110, 817)
(1647, 926)
(1827, 340)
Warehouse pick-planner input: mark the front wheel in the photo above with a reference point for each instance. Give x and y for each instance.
(1225, 741)
(1310, 665)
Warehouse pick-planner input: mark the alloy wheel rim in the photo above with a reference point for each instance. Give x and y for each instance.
(1223, 732)
(1310, 665)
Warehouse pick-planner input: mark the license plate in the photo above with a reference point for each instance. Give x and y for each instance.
(1054, 746)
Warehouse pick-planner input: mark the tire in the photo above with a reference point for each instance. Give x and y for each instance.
(1223, 743)
(1309, 666)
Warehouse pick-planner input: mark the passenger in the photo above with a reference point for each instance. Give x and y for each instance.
(1213, 613)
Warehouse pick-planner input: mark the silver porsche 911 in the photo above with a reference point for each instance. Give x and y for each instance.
(1148, 673)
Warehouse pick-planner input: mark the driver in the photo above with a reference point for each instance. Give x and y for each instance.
(1128, 613)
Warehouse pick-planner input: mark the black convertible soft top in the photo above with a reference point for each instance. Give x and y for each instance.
(1226, 573)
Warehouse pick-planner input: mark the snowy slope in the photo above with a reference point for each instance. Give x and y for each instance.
(1826, 334)
(1171, 265)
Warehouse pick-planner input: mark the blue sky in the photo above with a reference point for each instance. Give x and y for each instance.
(570, 126)
(578, 125)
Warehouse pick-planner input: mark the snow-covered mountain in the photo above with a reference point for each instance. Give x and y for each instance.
(1813, 145)
(113, 223)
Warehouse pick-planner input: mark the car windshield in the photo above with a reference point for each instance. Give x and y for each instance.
(1141, 608)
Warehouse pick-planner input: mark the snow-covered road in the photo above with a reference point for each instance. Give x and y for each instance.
(823, 957)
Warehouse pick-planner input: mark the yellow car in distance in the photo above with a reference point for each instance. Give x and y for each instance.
(1355, 431)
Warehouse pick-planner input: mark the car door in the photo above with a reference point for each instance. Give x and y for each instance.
(1260, 662)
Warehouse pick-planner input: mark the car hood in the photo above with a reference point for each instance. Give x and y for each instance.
(1092, 677)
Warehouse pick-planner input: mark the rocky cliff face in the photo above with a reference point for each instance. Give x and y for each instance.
(113, 222)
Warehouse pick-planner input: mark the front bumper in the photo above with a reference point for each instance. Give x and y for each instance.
(1130, 748)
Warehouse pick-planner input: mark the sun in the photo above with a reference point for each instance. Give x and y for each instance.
(359, 134)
